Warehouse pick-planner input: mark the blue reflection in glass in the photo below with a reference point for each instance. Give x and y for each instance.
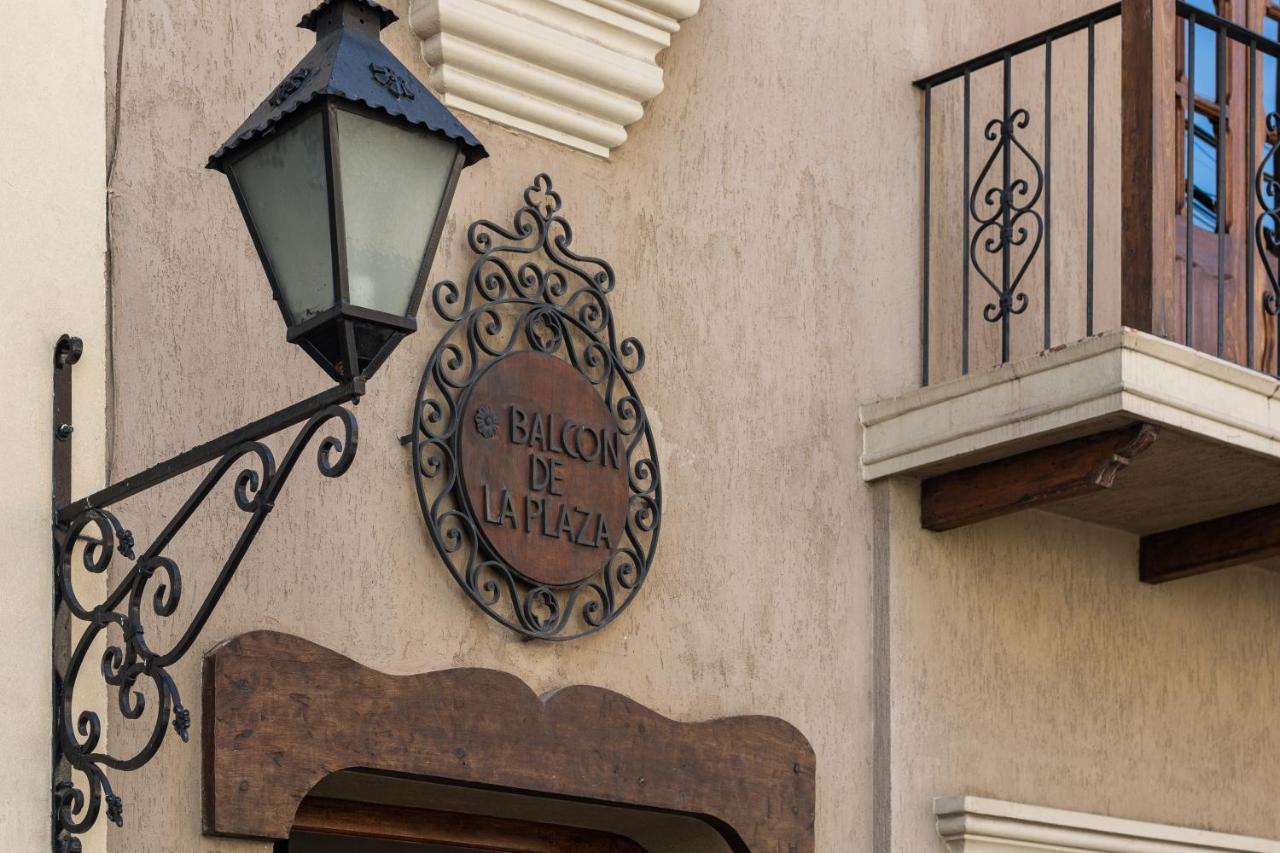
(1271, 30)
(1204, 202)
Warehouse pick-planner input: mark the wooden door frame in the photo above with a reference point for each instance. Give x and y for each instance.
(1232, 195)
(281, 714)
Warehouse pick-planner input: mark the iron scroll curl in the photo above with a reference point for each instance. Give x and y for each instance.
(152, 589)
(528, 290)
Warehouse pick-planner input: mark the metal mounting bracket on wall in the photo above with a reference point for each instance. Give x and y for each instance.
(88, 529)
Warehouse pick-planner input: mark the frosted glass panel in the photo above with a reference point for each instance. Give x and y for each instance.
(392, 182)
(284, 186)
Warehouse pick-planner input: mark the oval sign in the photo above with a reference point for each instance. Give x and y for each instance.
(544, 468)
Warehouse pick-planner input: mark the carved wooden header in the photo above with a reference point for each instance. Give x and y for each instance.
(281, 714)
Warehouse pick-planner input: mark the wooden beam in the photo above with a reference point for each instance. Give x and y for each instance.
(1031, 479)
(1219, 543)
(1149, 165)
(281, 714)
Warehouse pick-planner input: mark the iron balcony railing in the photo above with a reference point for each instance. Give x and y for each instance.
(1117, 169)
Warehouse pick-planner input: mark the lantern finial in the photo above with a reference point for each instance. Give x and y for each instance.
(332, 15)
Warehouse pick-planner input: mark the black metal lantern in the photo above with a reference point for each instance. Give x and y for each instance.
(344, 176)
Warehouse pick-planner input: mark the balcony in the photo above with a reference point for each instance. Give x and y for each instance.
(1100, 286)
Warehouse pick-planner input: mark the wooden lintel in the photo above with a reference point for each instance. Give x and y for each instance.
(1031, 479)
(1219, 543)
(282, 714)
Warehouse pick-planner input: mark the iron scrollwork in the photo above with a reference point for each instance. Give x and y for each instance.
(388, 79)
(152, 589)
(1266, 228)
(1010, 219)
(291, 84)
(512, 302)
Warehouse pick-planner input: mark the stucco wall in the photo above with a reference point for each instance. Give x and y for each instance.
(764, 223)
(745, 266)
(1029, 663)
(52, 206)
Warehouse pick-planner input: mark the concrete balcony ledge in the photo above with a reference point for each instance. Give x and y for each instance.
(1114, 378)
(1161, 437)
(978, 825)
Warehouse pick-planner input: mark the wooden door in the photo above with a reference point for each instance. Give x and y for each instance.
(1216, 168)
(341, 826)
(1223, 182)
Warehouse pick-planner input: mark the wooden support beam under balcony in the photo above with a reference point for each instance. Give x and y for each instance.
(1070, 432)
(1032, 479)
(1232, 540)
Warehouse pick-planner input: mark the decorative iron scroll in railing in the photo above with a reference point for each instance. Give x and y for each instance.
(1005, 158)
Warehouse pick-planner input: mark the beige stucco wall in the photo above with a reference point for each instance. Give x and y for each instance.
(1028, 663)
(742, 267)
(52, 214)
(763, 220)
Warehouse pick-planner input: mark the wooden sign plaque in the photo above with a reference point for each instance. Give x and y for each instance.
(543, 466)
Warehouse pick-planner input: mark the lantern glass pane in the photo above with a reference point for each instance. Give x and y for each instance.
(285, 189)
(393, 180)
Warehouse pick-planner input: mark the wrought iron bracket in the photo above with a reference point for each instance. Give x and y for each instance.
(89, 529)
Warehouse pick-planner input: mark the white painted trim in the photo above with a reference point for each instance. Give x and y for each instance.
(1121, 375)
(978, 825)
(573, 71)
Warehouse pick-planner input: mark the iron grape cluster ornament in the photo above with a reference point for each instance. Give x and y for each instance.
(533, 459)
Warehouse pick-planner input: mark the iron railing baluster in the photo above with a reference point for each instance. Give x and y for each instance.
(1250, 325)
(1048, 189)
(1221, 188)
(1189, 251)
(1006, 194)
(928, 156)
(964, 249)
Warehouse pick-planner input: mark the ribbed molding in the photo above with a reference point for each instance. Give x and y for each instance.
(976, 825)
(574, 71)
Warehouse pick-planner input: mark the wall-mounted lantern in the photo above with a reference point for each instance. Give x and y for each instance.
(344, 175)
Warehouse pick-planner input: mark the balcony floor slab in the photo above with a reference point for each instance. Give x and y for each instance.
(1218, 450)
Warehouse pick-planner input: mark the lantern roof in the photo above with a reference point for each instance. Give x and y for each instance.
(350, 63)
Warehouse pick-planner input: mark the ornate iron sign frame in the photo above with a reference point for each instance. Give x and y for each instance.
(512, 302)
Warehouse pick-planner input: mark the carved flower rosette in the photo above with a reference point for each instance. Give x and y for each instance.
(528, 291)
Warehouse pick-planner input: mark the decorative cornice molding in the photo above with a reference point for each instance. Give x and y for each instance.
(977, 825)
(573, 71)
